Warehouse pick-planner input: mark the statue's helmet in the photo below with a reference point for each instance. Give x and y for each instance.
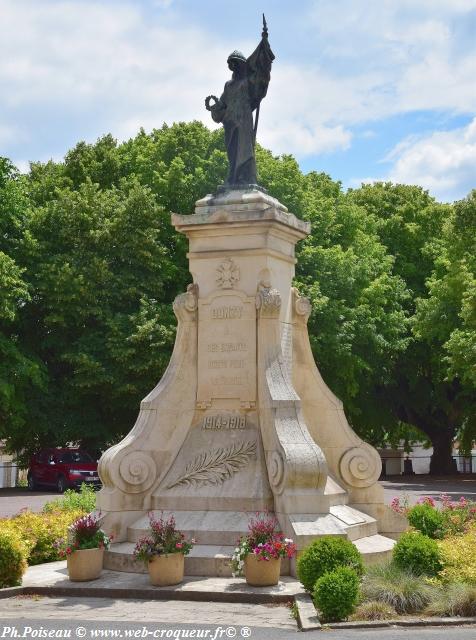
(236, 55)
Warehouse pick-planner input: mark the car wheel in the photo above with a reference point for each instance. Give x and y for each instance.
(61, 484)
(32, 485)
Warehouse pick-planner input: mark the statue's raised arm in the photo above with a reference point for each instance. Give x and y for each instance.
(241, 96)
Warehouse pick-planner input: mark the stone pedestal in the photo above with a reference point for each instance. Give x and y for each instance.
(242, 420)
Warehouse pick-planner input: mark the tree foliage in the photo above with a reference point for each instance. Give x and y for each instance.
(21, 373)
(422, 235)
(89, 267)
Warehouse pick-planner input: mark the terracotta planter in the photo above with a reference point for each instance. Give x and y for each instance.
(85, 564)
(167, 569)
(262, 573)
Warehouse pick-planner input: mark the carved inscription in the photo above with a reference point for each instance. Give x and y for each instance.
(225, 313)
(227, 347)
(226, 364)
(228, 381)
(221, 422)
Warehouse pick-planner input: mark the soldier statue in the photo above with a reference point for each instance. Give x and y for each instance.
(241, 96)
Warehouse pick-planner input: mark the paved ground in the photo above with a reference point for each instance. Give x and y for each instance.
(106, 609)
(12, 500)
(89, 618)
(416, 486)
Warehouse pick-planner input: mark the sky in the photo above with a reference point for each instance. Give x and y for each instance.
(361, 89)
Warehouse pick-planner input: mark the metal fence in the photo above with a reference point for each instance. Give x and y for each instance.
(9, 472)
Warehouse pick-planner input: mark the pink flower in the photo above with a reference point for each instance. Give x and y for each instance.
(427, 500)
(179, 545)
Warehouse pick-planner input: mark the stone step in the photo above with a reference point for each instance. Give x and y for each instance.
(375, 549)
(336, 494)
(357, 524)
(214, 560)
(207, 527)
(203, 560)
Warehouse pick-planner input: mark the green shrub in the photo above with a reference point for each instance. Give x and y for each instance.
(84, 500)
(455, 599)
(397, 588)
(417, 553)
(459, 558)
(374, 610)
(336, 594)
(324, 555)
(427, 519)
(40, 530)
(12, 558)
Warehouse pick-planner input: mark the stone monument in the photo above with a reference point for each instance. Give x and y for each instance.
(242, 420)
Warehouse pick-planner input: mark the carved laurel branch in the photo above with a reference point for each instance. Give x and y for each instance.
(216, 466)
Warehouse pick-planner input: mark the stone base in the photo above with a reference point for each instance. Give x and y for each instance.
(214, 560)
(217, 533)
(224, 188)
(242, 420)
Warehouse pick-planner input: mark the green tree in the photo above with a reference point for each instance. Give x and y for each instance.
(446, 320)
(91, 265)
(100, 317)
(21, 375)
(358, 324)
(422, 391)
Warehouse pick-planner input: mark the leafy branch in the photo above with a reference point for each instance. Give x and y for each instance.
(216, 466)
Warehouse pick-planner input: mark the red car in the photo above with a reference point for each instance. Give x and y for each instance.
(63, 469)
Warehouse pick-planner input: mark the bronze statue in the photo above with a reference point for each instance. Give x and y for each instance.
(241, 96)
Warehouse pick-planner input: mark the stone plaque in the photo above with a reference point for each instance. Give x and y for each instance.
(227, 347)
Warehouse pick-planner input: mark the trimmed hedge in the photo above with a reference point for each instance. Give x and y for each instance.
(324, 555)
(336, 594)
(417, 553)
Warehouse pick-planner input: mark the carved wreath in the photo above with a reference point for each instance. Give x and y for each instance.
(228, 274)
(216, 466)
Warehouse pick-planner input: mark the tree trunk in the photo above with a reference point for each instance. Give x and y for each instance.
(442, 463)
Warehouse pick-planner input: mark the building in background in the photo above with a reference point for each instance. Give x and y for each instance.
(396, 462)
(8, 469)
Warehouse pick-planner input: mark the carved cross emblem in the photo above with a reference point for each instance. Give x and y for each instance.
(228, 274)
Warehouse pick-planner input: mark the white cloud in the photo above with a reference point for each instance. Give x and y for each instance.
(114, 67)
(411, 55)
(443, 162)
(23, 166)
(84, 58)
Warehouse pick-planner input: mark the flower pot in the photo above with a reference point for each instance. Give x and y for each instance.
(262, 573)
(85, 564)
(167, 569)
